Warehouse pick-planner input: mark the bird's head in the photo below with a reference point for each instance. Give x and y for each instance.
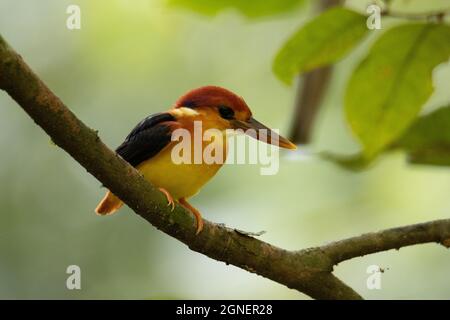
(226, 110)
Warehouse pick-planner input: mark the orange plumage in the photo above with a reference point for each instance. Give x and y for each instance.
(109, 204)
(149, 146)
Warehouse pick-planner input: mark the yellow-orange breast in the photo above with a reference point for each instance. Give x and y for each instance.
(181, 180)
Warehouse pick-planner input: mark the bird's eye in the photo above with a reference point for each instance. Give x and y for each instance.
(226, 112)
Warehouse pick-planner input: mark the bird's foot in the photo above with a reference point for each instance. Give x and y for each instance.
(170, 201)
(195, 212)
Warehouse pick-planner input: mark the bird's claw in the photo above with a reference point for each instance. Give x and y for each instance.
(170, 201)
(171, 204)
(196, 213)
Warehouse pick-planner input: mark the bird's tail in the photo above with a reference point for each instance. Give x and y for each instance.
(109, 204)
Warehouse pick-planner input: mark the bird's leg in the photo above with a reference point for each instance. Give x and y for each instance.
(170, 201)
(195, 212)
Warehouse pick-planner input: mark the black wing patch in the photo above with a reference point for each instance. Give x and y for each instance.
(149, 137)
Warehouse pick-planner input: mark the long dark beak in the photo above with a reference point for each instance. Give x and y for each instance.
(257, 130)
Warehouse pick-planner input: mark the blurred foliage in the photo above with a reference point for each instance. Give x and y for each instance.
(427, 141)
(355, 162)
(320, 42)
(250, 8)
(389, 87)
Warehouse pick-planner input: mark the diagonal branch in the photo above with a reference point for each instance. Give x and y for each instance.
(302, 272)
(308, 271)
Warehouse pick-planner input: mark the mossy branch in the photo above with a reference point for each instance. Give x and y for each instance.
(308, 271)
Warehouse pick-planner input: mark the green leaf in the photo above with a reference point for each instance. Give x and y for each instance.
(427, 141)
(320, 42)
(390, 86)
(250, 8)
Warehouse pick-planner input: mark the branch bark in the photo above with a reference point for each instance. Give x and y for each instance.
(434, 231)
(308, 271)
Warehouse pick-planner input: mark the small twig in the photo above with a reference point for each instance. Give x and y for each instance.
(438, 15)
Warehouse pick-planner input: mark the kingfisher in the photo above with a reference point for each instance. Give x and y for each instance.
(149, 145)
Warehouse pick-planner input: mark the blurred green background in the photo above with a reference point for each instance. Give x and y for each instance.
(134, 58)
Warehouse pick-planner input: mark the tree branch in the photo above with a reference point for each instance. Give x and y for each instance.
(308, 271)
(434, 231)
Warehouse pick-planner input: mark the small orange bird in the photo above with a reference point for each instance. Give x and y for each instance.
(149, 145)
